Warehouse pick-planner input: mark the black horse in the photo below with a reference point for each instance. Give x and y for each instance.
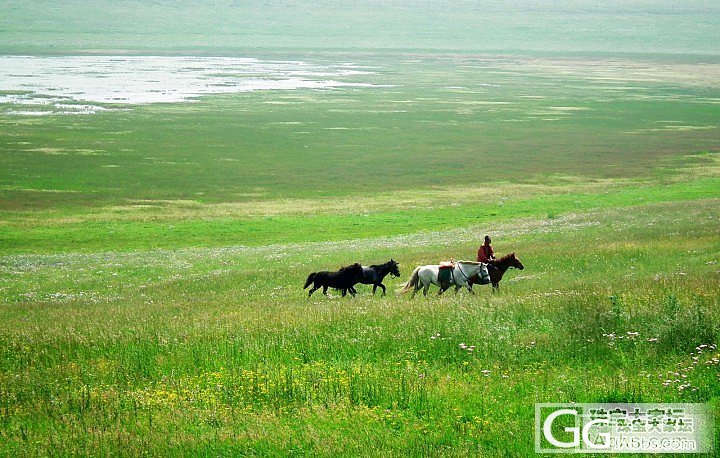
(375, 274)
(343, 279)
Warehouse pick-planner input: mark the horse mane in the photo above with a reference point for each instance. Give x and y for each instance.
(384, 264)
(505, 258)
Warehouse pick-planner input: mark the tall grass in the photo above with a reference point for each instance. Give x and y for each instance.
(238, 360)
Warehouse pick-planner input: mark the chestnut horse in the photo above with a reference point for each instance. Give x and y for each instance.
(497, 268)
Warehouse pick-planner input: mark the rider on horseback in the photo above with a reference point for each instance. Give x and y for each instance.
(485, 253)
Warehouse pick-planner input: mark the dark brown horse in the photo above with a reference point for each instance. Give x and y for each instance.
(344, 279)
(497, 268)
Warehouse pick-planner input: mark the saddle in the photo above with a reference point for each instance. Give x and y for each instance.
(445, 269)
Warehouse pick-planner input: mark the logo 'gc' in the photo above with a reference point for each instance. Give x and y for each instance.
(576, 432)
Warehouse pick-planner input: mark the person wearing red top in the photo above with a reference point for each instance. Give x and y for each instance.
(485, 253)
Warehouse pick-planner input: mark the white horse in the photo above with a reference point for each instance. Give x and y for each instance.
(424, 276)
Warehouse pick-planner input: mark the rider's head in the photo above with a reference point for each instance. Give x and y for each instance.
(487, 240)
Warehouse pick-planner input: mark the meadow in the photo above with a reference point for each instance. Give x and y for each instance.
(152, 256)
(218, 351)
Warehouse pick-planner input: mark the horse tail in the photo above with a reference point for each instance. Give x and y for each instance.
(412, 282)
(309, 280)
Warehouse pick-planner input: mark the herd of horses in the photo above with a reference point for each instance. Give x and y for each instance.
(461, 274)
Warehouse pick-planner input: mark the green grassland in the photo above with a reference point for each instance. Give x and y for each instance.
(435, 145)
(152, 257)
(156, 307)
(218, 351)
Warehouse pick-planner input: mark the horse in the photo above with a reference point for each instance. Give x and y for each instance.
(343, 279)
(424, 276)
(497, 268)
(374, 275)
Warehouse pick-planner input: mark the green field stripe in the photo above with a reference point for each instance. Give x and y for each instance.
(35, 237)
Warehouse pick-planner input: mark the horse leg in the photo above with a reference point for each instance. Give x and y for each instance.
(381, 286)
(425, 289)
(469, 287)
(325, 288)
(312, 290)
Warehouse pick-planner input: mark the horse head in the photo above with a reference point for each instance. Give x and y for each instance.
(393, 268)
(515, 262)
